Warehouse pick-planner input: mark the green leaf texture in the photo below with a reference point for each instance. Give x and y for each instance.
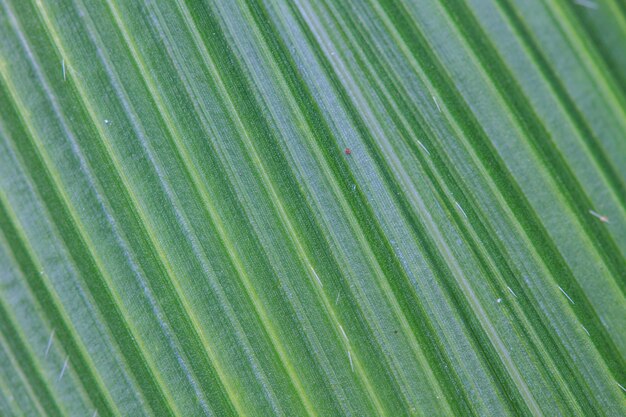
(312, 208)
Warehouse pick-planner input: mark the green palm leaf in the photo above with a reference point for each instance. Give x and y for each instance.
(312, 208)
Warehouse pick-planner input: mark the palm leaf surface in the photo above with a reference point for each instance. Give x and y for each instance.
(312, 208)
